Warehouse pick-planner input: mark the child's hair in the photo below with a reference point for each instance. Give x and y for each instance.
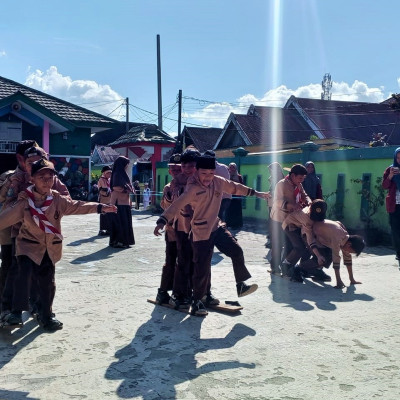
(357, 243)
(298, 169)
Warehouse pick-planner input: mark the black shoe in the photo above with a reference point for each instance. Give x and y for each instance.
(50, 324)
(162, 297)
(244, 290)
(179, 302)
(296, 275)
(318, 275)
(198, 309)
(210, 300)
(13, 318)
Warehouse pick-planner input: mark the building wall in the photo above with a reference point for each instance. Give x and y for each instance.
(345, 165)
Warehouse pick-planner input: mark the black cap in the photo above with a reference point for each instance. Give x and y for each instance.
(25, 145)
(209, 153)
(206, 162)
(175, 159)
(35, 151)
(190, 156)
(42, 164)
(318, 210)
(106, 168)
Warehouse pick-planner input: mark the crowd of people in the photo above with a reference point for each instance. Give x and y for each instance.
(202, 200)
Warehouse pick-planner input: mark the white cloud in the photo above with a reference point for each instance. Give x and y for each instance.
(87, 94)
(2, 53)
(216, 114)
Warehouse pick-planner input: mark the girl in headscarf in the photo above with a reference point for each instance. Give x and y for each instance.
(121, 235)
(391, 182)
(312, 184)
(104, 198)
(234, 217)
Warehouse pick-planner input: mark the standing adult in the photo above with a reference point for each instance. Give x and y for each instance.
(136, 188)
(312, 184)
(104, 198)
(234, 217)
(121, 235)
(391, 182)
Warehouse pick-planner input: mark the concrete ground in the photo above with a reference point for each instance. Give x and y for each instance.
(291, 342)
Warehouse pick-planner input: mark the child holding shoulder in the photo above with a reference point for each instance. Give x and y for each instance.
(39, 241)
(204, 193)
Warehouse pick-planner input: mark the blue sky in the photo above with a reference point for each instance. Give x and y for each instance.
(227, 53)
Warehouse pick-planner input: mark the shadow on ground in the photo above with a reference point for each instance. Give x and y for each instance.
(310, 295)
(163, 354)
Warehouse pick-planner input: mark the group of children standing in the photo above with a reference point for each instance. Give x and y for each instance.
(33, 202)
(191, 204)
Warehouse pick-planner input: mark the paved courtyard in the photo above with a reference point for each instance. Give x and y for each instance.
(291, 341)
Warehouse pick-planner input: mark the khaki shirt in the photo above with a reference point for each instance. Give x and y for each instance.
(301, 219)
(284, 195)
(205, 202)
(120, 196)
(334, 235)
(32, 241)
(104, 195)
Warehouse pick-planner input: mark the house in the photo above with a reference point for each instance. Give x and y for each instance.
(331, 123)
(103, 155)
(201, 138)
(61, 128)
(144, 145)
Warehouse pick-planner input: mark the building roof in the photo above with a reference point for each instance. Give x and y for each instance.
(78, 116)
(201, 138)
(264, 125)
(144, 133)
(353, 121)
(105, 154)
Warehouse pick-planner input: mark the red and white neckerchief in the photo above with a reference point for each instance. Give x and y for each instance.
(297, 192)
(38, 213)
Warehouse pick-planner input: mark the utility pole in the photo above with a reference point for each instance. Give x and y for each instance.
(180, 145)
(160, 125)
(127, 115)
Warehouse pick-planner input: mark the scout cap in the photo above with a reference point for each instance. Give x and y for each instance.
(175, 159)
(190, 155)
(42, 164)
(35, 151)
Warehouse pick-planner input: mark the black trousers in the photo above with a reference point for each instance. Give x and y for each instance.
(6, 261)
(202, 255)
(394, 221)
(280, 244)
(184, 265)
(168, 269)
(43, 276)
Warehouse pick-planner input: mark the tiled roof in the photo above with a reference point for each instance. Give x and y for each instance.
(269, 126)
(107, 155)
(355, 121)
(202, 138)
(70, 112)
(144, 133)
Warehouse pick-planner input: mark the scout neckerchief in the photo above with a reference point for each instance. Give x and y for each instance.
(38, 213)
(297, 193)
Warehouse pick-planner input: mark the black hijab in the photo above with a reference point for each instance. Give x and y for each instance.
(119, 177)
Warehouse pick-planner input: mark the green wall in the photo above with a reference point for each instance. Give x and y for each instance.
(348, 163)
(78, 143)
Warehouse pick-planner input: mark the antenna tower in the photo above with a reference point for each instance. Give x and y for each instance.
(326, 87)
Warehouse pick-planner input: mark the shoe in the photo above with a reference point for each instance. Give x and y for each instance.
(268, 244)
(4, 314)
(162, 297)
(296, 275)
(198, 308)
(13, 318)
(210, 300)
(50, 324)
(286, 268)
(274, 271)
(179, 302)
(318, 275)
(244, 290)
